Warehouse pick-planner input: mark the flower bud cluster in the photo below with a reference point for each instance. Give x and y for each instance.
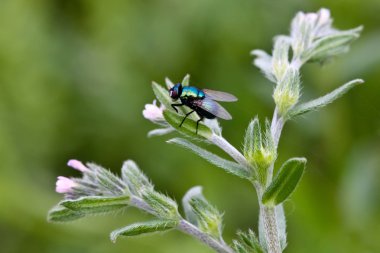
(312, 38)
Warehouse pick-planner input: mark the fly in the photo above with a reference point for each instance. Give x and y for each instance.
(201, 101)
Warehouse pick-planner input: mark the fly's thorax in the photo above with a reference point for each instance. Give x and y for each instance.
(192, 92)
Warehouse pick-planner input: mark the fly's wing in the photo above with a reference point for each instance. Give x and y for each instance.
(214, 108)
(219, 95)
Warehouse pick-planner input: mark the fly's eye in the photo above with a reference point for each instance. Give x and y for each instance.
(173, 93)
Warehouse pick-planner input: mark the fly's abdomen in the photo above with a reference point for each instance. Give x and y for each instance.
(192, 92)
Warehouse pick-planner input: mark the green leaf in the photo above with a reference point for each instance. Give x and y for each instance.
(186, 80)
(162, 95)
(228, 166)
(194, 192)
(323, 101)
(201, 213)
(285, 182)
(134, 178)
(331, 45)
(96, 204)
(188, 128)
(169, 83)
(162, 205)
(143, 228)
(62, 214)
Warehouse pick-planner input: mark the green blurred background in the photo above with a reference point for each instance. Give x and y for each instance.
(74, 78)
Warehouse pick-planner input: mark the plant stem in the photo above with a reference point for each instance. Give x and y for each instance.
(192, 230)
(186, 227)
(268, 216)
(229, 149)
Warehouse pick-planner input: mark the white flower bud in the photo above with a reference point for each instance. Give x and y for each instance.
(154, 113)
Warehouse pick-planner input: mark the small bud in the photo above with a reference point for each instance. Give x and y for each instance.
(209, 219)
(259, 148)
(154, 113)
(201, 213)
(78, 165)
(64, 185)
(287, 92)
(280, 60)
(314, 38)
(162, 205)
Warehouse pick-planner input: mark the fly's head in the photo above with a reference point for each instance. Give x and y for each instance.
(175, 91)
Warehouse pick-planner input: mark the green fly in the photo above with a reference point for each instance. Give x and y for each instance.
(201, 101)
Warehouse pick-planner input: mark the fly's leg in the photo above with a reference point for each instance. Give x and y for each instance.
(187, 115)
(174, 106)
(201, 117)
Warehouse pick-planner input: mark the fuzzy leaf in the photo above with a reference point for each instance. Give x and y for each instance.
(169, 83)
(188, 128)
(247, 243)
(285, 182)
(96, 204)
(62, 214)
(143, 228)
(331, 45)
(162, 95)
(107, 180)
(194, 192)
(264, 62)
(186, 80)
(162, 205)
(262, 239)
(281, 224)
(160, 131)
(201, 213)
(323, 101)
(229, 166)
(135, 178)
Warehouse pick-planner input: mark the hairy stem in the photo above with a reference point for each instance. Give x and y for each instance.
(192, 230)
(229, 149)
(187, 227)
(268, 216)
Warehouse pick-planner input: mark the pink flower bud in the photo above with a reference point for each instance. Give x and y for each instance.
(64, 185)
(78, 165)
(153, 113)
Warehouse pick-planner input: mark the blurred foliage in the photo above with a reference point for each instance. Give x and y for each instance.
(74, 78)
